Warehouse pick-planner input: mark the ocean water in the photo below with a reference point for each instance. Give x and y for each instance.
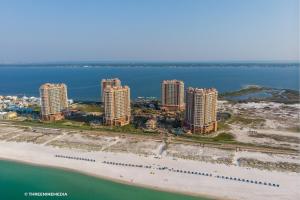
(83, 80)
(16, 179)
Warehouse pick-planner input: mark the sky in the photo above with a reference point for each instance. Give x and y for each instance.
(148, 30)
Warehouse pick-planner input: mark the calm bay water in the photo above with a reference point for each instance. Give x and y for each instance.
(17, 178)
(84, 82)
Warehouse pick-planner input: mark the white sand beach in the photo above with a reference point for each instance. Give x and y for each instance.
(163, 179)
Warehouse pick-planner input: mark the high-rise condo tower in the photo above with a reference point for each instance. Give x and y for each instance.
(172, 95)
(117, 105)
(54, 100)
(201, 110)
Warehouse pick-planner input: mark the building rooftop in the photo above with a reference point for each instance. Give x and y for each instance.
(49, 85)
(111, 79)
(172, 81)
(201, 90)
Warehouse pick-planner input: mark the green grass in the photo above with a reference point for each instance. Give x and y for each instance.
(88, 107)
(223, 126)
(246, 121)
(242, 92)
(68, 124)
(127, 129)
(80, 106)
(57, 124)
(223, 137)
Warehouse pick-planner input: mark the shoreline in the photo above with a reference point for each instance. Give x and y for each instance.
(106, 178)
(226, 95)
(159, 180)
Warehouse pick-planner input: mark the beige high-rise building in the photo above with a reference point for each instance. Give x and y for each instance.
(108, 82)
(54, 100)
(117, 105)
(201, 110)
(172, 95)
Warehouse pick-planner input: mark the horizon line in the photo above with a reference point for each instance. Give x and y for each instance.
(154, 62)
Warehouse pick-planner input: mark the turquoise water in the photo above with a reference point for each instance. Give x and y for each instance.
(17, 178)
(144, 80)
